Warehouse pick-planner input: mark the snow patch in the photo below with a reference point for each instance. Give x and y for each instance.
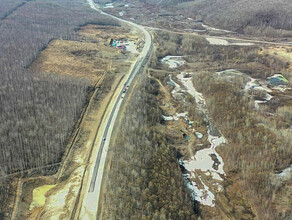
(206, 160)
(173, 61)
(253, 84)
(109, 5)
(286, 174)
(187, 82)
(199, 135)
(281, 88)
(167, 118)
(202, 195)
(179, 115)
(215, 29)
(243, 44)
(223, 42)
(217, 41)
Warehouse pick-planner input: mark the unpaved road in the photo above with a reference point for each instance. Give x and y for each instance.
(225, 37)
(90, 199)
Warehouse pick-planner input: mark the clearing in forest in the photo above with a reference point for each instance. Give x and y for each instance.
(89, 57)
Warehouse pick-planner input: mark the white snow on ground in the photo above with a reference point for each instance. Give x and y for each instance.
(199, 135)
(202, 160)
(178, 115)
(281, 88)
(223, 42)
(177, 86)
(173, 61)
(202, 195)
(229, 72)
(187, 82)
(167, 118)
(243, 44)
(286, 174)
(214, 29)
(253, 84)
(217, 41)
(215, 141)
(109, 5)
(257, 104)
(177, 92)
(250, 85)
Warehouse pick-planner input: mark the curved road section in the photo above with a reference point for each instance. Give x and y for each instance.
(89, 207)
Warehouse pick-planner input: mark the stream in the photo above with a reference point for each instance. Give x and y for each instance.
(206, 163)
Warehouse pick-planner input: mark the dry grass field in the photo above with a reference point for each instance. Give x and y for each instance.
(90, 57)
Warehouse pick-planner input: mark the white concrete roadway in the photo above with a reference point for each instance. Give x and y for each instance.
(90, 199)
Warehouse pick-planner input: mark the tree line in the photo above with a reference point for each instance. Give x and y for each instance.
(144, 180)
(262, 17)
(9, 6)
(38, 111)
(259, 145)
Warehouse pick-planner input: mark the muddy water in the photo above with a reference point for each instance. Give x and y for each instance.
(39, 197)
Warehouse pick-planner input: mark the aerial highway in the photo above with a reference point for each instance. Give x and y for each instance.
(90, 199)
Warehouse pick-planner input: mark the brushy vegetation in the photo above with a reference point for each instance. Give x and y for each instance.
(37, 111)
(258, 145)
(262, 17)
(254, 151)
(145, 181)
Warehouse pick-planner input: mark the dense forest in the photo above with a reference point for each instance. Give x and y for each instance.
(38, 111)
(240, 15)
(7, 7)
(145, 180)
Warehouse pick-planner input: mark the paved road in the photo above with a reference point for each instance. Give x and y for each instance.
(89, 207)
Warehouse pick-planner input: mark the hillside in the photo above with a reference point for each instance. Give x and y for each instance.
(236, 15)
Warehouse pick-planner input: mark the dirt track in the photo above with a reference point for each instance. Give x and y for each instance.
(60, 200)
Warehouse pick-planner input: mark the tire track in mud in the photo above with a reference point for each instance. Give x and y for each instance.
(78, 126)
(67, 154)
(75, 209)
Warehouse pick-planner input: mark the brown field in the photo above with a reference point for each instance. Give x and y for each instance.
(259, 141)
(89, 58)
(284, 53)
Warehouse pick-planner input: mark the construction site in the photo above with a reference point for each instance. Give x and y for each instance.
(105, 67)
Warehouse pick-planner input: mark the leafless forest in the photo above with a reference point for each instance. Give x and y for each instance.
(241, 16)
(37, 111)
(254, 152)
(7, 7)
(145, 180)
